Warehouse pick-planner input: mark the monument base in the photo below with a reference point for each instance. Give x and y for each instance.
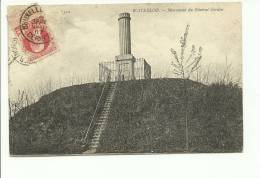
(125, 57)
(125, 67)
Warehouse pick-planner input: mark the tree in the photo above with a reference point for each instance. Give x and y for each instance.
(184, 66)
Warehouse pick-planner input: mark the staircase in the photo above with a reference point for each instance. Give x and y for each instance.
(98, 123)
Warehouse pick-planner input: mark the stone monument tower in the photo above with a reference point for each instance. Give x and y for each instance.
(125, 66)
(125, 61)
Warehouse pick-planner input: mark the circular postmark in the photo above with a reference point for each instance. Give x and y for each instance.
(36, 39)
(33, 25)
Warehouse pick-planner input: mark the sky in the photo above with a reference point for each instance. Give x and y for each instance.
(88, 34)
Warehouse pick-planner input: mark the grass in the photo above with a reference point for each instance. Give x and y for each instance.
(56, 123)
(147, 116)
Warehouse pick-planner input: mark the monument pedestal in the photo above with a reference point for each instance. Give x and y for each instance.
(125, 67)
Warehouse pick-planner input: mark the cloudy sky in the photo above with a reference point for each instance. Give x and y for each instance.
(88, 34)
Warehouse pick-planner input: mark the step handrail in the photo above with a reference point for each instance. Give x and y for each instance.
(95, 112)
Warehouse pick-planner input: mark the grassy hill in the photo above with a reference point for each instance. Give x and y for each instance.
(146, 116)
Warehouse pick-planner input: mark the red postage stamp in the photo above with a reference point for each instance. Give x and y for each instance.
(34, 35)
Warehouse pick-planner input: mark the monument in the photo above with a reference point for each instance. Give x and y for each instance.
(125, 66)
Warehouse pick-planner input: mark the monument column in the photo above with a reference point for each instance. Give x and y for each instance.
(124, 33)
(125, 60)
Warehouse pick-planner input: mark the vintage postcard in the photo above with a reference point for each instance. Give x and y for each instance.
(125, 78)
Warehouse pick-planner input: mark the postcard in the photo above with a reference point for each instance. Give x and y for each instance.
(125, 78)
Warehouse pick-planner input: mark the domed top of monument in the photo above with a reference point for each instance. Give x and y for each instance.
(124, 15)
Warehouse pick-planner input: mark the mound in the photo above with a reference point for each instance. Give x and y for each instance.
(155, 115)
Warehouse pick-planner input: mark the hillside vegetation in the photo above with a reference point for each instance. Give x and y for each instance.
(146, 116)
(56, 123)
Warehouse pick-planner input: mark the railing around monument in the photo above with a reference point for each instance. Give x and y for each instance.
(94, 116)
(107, 67)
(142, 70)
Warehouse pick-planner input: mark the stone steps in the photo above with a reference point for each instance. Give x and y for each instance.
(103, 117)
